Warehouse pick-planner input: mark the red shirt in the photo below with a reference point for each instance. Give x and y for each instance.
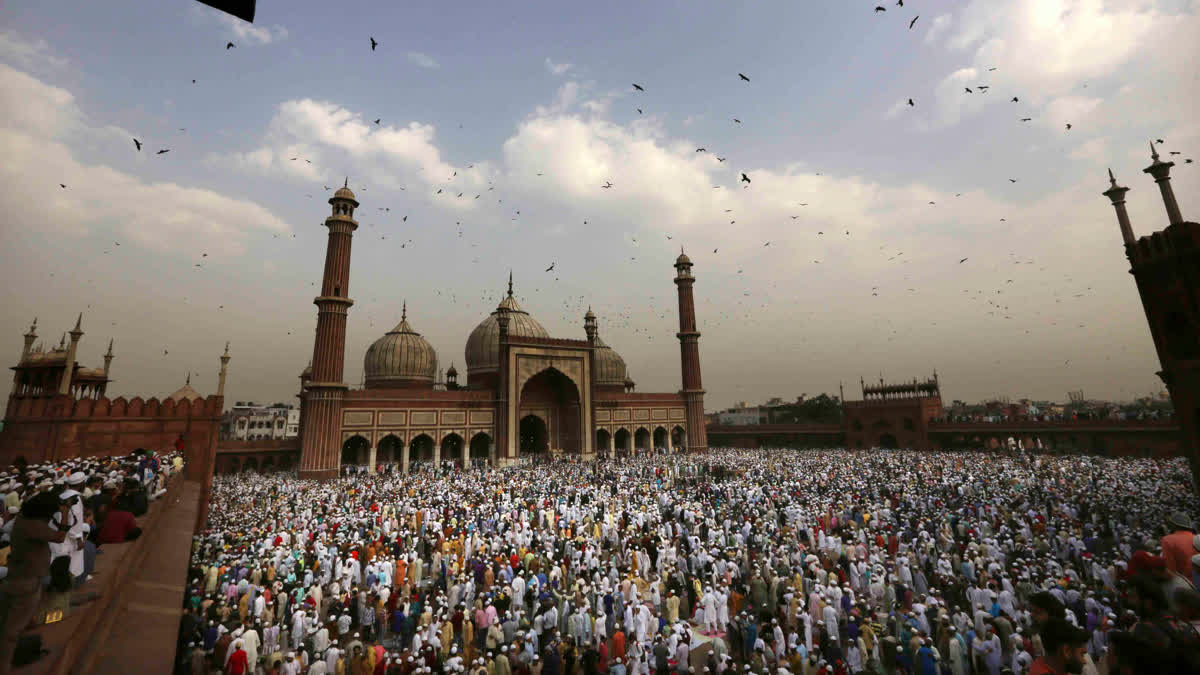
(1178, 550)
(238, 663)
(117, 526)
(1040, 667)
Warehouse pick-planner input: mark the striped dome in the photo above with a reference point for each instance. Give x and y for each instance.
(401, 356)
(609, 366)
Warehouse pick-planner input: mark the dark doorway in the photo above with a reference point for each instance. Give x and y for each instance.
(621, 440)
(533, 436)
(421, 449)
(452, 446)
(602, 439)
(660, 439)
(390, 450)
(354, 450)
(888, 441)
(480, 446)
(556, 395)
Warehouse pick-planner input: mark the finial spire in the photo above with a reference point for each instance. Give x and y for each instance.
(1112, 179)
(110, 344)
(189, 379)
(79, 323)
(1153, 152)
(404, 311)
(510, 283)
(226, 348)
(347, 183)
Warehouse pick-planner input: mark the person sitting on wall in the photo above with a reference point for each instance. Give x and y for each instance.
(120, 525)
(29, 562)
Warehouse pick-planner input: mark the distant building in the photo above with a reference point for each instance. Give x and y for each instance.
(249, 421)
(743, 415)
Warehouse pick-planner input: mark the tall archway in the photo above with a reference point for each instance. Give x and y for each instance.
(421, 449)
(355, 450)
(390, 451)
(480, 450)
(602, 441)
(557, 398)
(641, 440)
(660, 438)
(533, 437)
(678, 439)
(452, 447)
(251, 464)
(888, 441)
(621, 441)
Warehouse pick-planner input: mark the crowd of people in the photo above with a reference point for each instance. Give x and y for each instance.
(56, 519)
(720, 563)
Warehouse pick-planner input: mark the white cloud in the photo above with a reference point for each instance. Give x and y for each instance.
(1073, 110)
(242, 33)
(937, 27)
(1044, 49)
(557, 68)
(423, 60)
(895, 109)
(162, 216)
(1094, 150)
(14, 48)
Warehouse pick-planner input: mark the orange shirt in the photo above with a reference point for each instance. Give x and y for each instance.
(1178, 549)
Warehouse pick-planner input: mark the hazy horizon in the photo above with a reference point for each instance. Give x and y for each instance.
(532, 108)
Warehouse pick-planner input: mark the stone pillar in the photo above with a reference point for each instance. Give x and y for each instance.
(1162, 175)
(371, 455)
(64, 385)
(670, 446)
(437, 454)
(689, 354)
(503, 404)
(466, 454)
(404, 459)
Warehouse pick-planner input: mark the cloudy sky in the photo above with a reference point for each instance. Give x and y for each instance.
(867, 203)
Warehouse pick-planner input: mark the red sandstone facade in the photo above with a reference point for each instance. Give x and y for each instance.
(1166, 268)
(527, 394)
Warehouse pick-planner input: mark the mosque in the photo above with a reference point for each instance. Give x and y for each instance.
(526, 395)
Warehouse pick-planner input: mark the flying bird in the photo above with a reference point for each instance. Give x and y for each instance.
(737, 120)
(229, 45)
(62, 186)
(745, 178)
(1068, 127)
(374, 44)
(743, 77)
(913, 22)
(990, 69)
(639, 111)
(1012, 180)
(720, 159)
(880, 9)
(701, 150)
(1158, 140)
(968, 90)
(1026, 119)
(377, 120)
(163, 151)
(551, 267)
(910, 102)
(638, 87)
(138, 144)
(1014, 99)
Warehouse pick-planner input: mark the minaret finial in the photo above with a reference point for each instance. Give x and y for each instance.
(226, 348)
(347, 183)
(79, 323)
(404, 311)
(1112, 179)
(110, 344)
(188, 383)
(1153, 152)
(510, 283)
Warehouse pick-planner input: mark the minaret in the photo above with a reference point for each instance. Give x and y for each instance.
(321, 408)
(108, 357)
(224, 370)
(689, 356)
(504, 449)
(64, 385)
(1117, 194)
(29, 338)
(1162, 175)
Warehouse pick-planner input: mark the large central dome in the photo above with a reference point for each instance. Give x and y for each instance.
(483, 346)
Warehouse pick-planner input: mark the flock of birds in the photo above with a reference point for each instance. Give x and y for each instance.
(632, 318)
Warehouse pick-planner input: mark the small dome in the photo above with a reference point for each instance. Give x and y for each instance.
(185, 392)
(609, 366)
(401, 356)
(345, 193)
(453, 372)
(306, 374)
(483, 345)
(683, 259)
